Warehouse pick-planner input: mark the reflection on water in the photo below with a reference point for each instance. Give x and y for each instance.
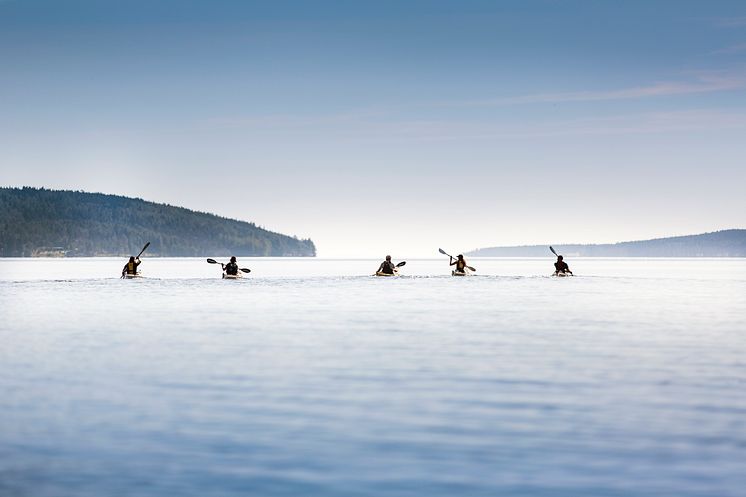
(312, 378)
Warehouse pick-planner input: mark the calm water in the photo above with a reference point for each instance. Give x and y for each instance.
(310, 378)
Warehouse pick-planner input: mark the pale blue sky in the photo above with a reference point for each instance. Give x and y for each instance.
(388, 127)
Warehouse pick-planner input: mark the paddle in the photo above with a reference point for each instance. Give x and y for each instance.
(452, 257)
(242, 269)
(143, 250)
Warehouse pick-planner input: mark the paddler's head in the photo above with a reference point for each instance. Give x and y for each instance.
(461, 257)
(233, 258)
(132, 258)
(559, 258)
(388, 258)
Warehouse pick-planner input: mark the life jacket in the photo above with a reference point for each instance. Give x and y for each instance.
(231, 268)
(388, 267)
(460, 265)
(131, 268)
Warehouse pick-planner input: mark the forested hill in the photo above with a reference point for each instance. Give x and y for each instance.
(726, 243)
(39, 222)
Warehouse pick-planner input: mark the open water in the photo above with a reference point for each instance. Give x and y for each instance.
(311, 378)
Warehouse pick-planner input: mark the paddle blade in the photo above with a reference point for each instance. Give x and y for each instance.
(212, 261)
(553, 251)
(472, 269)
(401, 263)
(445, 253)
(245, 270)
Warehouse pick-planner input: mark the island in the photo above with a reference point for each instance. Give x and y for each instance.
(725, 243)
(38, 222)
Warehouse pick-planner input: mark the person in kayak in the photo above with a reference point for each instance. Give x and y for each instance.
(231, 268)
(459, 262)
(131, 266)
(561, 266)
(387, 267)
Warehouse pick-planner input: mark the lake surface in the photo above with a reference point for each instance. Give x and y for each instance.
(312, 378)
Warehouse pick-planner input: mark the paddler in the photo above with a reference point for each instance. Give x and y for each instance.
(232, 267)
(387, 267)
(131, 266)
(459, 262)
(561, 266)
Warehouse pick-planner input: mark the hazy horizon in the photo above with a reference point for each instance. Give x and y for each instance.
(388, 128)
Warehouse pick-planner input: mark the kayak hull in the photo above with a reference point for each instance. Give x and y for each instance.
(459, 273)
(232, 276)
(562, 275)
(385, 275)
(132, 276)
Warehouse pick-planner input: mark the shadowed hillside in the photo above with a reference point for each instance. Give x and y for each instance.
(726, 243)
(40, 222)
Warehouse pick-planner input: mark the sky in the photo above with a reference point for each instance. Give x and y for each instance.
(388, 127)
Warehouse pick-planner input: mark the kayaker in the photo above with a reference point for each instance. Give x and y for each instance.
(131, 266)
(459, 262)
(387, 266)
(561, 266)
(231, 268)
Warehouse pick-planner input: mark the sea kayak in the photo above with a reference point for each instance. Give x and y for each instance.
(562, 275)
(132, 276)
(466, 272)
(379, 273)
(232, 276)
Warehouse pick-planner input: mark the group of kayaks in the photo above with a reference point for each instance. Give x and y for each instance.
(231, 271)
(561, 269)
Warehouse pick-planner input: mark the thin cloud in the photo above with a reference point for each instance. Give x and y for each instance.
(741, 47)
(285, 121)
(390, 130)
(627, 124)
(732, 22)
(652, 122)
(705, 84)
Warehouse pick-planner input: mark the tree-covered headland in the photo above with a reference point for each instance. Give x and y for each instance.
(41, 222)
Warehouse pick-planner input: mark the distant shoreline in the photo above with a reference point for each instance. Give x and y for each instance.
(724, 243)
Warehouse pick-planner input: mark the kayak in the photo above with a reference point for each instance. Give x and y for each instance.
(562, 275)
(232, 276)
(460, 273)
(379, 273)
(132, 276)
